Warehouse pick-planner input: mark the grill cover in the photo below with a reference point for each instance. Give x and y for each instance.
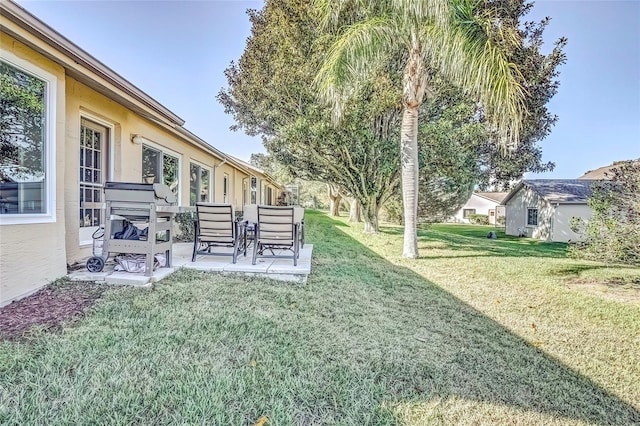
(158, 193)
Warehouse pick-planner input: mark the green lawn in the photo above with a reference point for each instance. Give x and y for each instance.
(476, 331)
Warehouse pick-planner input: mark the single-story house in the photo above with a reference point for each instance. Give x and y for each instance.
(543, 208)
(486, 203)
(69, 124)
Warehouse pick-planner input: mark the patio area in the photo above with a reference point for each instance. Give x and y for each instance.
(273, 268)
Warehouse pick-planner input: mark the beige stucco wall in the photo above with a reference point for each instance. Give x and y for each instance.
(32, 255)
(238, 198)
(35, 254)
(516, 215)
(564, 212)
(83, 101)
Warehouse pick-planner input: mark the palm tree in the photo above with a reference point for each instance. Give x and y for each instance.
(451, 37)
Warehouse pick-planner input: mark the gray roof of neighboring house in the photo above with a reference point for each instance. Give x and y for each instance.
(563, 191)
(606, 172)
(493, 196)
(599, 173)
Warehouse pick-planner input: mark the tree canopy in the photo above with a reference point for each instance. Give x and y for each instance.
(613, 232)
(271, 93)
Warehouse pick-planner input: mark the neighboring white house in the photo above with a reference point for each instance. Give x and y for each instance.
(486, 203)
(543, 208)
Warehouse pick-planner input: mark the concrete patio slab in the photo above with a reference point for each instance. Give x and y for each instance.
(128, 278)
(269, 267)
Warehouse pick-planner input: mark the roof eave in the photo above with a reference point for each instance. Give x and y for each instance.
(513, 192)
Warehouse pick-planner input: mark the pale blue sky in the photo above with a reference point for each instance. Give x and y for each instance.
(176, 51)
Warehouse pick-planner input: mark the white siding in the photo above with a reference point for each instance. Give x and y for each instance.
(516, 215)
(564, 213)
(480, 204)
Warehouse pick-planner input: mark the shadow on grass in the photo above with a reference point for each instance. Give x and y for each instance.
(577, 269)
(438, 348)
(469, 238)
(364, 342)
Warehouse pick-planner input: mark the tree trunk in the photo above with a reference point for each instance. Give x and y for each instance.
(414, 80)
(409, 166)
(334, 199)
(370, 212)
(354, 211)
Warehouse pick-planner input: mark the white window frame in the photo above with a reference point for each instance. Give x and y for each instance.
(109, 170)
(211, 178)
(170, 152)
(537, 217)
(467, 212)
(253, 191)
(50, 145)
(225, 188)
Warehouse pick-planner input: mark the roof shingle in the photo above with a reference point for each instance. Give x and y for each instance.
(561, 190)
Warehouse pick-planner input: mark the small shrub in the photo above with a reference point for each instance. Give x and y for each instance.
(392, 211)
(184, 221)
(478, 219)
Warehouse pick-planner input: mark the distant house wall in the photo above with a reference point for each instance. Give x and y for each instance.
(553, 218)
(516, 215)
(564, 213)
(481, 205)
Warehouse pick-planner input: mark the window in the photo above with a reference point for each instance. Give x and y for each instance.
(27, 142)
(160, 167)
(492, 213)
(293, 190)
(225, 188)
(199, 184)
(532, 217)
(254, 190)
(269, 196)
(93, 159)
(244, 192)
(467, 212)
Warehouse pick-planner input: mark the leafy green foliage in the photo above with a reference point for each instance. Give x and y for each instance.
(478, 219)
(613, 232)
(22, 108)
(271, 93)
(186, 226)
(539, 73)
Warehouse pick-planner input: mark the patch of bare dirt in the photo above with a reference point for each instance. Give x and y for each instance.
(618, 289)
(48, 308)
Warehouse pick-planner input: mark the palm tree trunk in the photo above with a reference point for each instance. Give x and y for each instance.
(409, 166)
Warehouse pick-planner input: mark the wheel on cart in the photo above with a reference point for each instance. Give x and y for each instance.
(95, 264)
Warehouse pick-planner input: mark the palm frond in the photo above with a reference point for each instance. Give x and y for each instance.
(330, 11)
(352, 58)
(465, 55)
(419, 11)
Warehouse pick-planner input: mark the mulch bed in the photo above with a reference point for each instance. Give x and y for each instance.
(48, 308)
